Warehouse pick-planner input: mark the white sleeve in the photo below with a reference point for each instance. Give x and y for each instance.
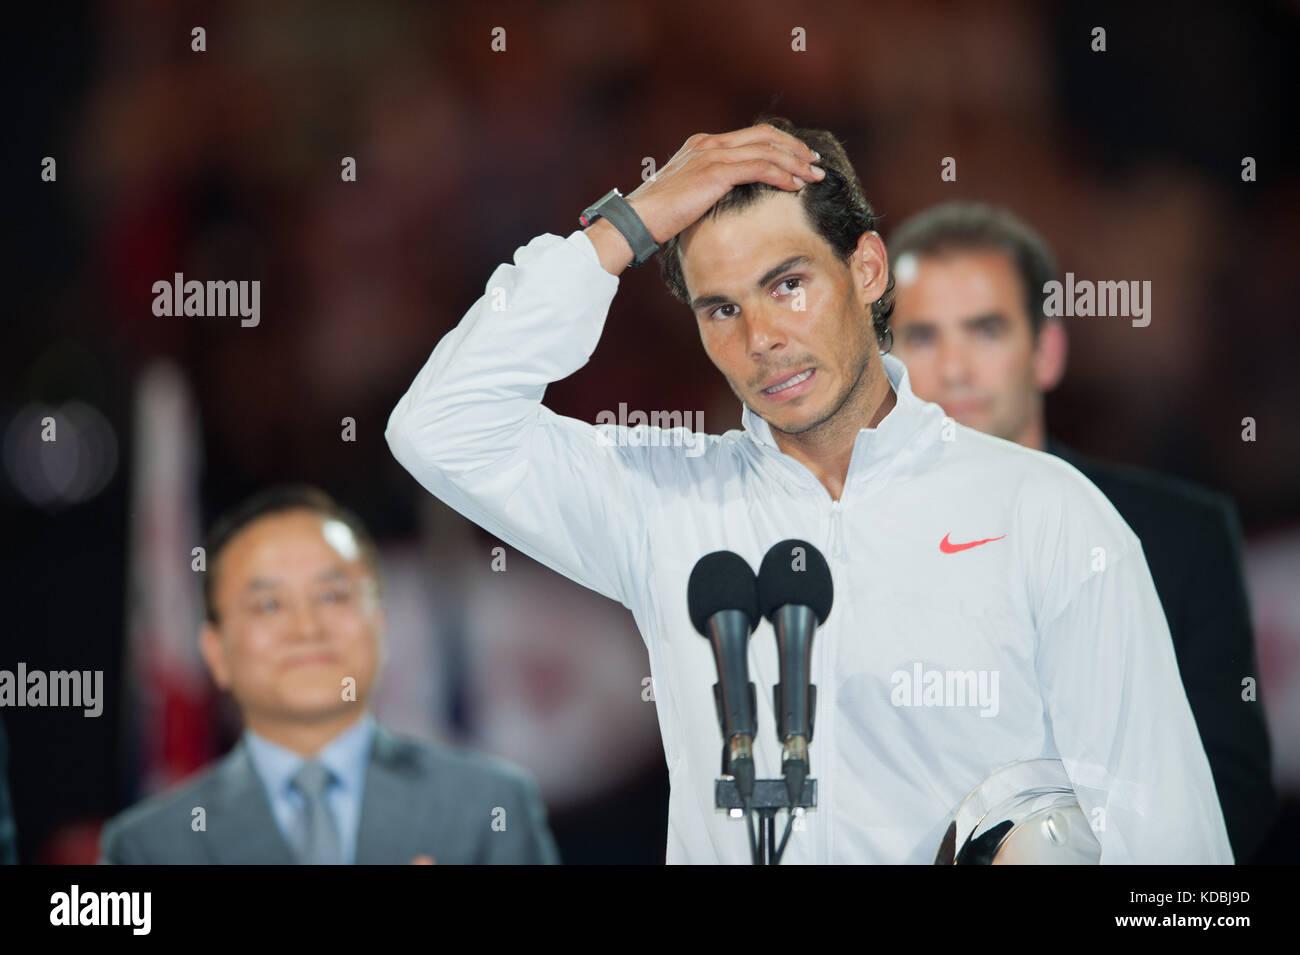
(473, 431)
(1122, 723)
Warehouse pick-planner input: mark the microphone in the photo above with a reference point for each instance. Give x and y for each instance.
(722, 597)
(795, 595)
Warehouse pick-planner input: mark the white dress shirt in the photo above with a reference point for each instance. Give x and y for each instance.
(933, 669)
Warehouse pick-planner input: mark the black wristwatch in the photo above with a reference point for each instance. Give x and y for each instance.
(623, 217)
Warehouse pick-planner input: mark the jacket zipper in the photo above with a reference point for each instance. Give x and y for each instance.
(824, 702)
(837, 529)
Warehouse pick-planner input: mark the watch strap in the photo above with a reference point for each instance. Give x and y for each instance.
(615, 208)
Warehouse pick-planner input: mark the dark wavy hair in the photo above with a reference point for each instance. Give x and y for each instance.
(836, 207)
(967, 226)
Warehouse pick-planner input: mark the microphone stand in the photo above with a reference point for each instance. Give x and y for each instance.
(770, 796)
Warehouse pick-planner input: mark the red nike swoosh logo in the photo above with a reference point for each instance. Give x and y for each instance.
(948, 547)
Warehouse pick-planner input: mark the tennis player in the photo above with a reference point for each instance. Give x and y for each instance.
(990, 607)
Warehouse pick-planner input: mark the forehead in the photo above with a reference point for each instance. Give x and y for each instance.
(956, 284)
(729, 253)
(288, 543)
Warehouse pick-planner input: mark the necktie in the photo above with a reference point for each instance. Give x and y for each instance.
(317, 837)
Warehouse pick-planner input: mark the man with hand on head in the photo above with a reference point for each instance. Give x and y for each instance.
(950, 551)
(969, 322)
(294, 632)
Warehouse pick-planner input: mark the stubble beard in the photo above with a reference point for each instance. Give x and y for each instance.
(828, 419)
(856, 388)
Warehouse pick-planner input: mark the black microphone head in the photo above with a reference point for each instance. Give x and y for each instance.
(721, 581)
(795, 572)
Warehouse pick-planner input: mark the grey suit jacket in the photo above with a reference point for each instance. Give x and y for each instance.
(456, 806)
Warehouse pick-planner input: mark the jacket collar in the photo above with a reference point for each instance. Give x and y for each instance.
(396, 823)
(877, 449)
(393, 827)
(240, 818)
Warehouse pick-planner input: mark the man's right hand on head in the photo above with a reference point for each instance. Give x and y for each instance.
(701, 173)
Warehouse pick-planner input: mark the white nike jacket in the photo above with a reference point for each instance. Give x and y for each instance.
(936, 666)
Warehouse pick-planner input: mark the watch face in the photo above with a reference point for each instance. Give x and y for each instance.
(592, 212)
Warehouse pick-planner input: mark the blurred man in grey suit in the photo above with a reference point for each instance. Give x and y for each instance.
(294, 632)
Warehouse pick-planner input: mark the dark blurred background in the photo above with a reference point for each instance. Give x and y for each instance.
(226, 164)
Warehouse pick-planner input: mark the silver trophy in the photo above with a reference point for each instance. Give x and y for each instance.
(1026, 813)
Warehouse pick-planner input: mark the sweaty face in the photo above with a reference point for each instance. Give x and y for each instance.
(775, 307)
(297, 614)
(961, 327)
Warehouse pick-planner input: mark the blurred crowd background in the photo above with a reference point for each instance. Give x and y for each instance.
(226, 164)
